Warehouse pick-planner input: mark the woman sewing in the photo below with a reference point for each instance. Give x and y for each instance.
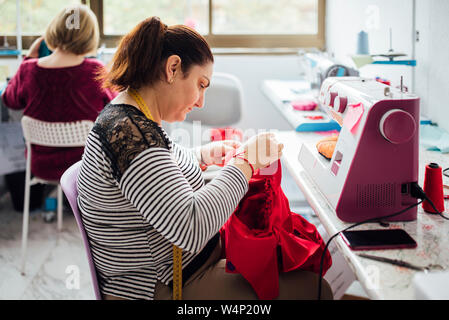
(141, 195)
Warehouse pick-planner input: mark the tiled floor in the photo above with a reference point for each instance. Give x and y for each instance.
(53, 260)
(56, 260)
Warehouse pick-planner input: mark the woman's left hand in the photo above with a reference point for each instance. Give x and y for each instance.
(214, 153)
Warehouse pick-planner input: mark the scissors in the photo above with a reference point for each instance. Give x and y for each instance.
(402, 263)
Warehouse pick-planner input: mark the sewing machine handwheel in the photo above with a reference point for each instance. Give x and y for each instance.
(397, 126)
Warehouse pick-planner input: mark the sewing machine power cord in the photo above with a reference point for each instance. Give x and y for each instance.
(416, 191)
(446, 172)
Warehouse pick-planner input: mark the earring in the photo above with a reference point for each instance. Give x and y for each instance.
(170, 81)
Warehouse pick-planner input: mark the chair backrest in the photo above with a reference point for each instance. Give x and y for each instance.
(223, 103)
(69, 186)
(56, 134)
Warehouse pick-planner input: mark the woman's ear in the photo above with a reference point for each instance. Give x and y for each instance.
(172, 68)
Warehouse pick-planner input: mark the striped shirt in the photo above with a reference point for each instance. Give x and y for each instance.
(139, 194)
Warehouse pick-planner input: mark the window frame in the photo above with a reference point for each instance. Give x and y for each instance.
(220, 41)
(238, 41)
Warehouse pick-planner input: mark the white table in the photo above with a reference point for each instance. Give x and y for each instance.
(380, 280)
(282, 93)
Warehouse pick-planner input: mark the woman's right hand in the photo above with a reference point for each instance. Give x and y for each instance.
(34, 48)
(262, 150)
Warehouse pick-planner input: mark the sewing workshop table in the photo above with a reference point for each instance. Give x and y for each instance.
(380, 280)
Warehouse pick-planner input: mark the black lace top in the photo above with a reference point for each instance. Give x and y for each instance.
(125, 132)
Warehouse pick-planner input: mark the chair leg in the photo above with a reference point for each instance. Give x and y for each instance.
(26, 215)
(59, 207)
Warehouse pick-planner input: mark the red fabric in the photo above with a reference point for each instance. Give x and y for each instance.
(228, 133)
(57, 95)
(263, 237)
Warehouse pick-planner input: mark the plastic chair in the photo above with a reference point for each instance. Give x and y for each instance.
(50, 134)
(223, 107)
(223, 102)
(69, 186)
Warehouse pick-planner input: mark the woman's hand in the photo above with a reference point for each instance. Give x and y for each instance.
(34, 49)
(262, 150)
(214, 153)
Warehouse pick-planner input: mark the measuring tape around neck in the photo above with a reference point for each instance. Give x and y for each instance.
(177, 252)
(140, 103)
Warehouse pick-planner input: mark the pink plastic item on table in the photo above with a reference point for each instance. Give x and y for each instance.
(327, 133)
(304, 105)
(352, 119)
(227, 133)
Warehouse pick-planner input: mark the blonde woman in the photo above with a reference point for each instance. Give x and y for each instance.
(61, 87)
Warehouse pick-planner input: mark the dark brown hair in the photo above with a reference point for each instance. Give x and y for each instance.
(141, 54)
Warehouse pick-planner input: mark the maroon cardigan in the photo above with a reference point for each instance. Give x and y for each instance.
(56, 95)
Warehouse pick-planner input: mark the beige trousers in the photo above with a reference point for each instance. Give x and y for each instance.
(212, 282)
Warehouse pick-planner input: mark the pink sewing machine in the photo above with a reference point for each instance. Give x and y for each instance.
(377, 153)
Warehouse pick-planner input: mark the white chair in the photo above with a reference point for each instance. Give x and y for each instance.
(50, 134)
(222, 104)
(223, 107)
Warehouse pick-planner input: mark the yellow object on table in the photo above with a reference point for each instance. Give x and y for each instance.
(326, 146)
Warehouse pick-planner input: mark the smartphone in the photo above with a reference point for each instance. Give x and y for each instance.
(378, 239)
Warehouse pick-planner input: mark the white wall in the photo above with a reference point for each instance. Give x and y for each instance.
(432, 51)
(345, 18)
(259, 112)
